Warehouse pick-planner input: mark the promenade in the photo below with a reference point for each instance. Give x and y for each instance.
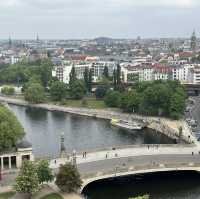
(131, 151)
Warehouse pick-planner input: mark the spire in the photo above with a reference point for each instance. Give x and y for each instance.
(193, 41)
(38, 39)
(10, 41)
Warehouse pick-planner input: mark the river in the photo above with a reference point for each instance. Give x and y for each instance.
(43, 129)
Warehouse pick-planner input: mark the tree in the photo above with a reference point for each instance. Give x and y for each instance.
(118, 74)
(11, 130)
(8, 90)
(58, 90)
(77, 90)
(101, 91)
(35, 93)
(86, 77)
(112, 99)
(44, 172)
(177, 106)
(46, 71)
(27, 181)
(90, 80)
(115, 79)
(105, 72)
(130, 101)
(68, 178)
(72, 76)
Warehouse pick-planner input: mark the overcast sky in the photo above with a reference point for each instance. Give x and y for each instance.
(66, 19)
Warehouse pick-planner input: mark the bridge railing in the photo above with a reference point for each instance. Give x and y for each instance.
(123, 170)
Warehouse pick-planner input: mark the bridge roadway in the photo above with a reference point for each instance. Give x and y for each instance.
(132, 160)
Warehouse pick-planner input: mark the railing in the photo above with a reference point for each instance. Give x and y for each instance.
(123, 170)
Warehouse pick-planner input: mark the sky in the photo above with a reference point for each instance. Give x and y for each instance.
(73, 19)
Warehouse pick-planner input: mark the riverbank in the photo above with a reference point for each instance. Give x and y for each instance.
(166, 126)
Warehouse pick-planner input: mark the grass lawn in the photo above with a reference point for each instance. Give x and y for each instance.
(6, 195)
(52, 196)
(86, 103)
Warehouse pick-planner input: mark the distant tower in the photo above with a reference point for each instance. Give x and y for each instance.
(193, 41)
(37, 39)
(10, 41)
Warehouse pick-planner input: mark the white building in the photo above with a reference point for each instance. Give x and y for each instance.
(194, 75)
(63, 71)
(130, 72)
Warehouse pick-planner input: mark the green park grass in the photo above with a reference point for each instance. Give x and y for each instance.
(6, 195)
(52, 196)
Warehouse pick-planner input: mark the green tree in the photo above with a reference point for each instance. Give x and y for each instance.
(100, 92)
(77, 90)
(112, 99)
(27, 181)
(118, 74)
(8, 90)
(35, 93)
(105, 72)
(58, 90)
(177, 106)
(90, 80)
(72, 76)
(46, 71)
(68, 178)
(44, 172)
(115, 79)
(130, 101)
(11, 130)
(86, 78)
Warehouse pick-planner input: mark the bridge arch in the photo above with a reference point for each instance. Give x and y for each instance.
(91, 180)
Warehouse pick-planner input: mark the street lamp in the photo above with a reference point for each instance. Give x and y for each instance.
(62, 145)
(74, 158)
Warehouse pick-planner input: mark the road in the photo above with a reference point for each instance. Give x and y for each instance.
(148, 160)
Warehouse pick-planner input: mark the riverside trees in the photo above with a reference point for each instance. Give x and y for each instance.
(11, 130)
(155, 98)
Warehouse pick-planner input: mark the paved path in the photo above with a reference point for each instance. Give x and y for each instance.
(147, 150)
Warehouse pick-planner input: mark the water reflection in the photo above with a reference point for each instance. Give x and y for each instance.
(43, 129)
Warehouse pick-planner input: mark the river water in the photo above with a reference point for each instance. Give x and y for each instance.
(170, 185)
(43, 129)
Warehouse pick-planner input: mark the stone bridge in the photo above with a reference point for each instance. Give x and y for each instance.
(129, 160)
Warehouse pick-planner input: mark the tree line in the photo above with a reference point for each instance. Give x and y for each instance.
(158, 98)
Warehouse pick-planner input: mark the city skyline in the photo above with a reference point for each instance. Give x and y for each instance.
(86, 19)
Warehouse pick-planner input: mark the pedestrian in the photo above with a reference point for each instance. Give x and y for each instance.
(55, 161)
(192, 153)
(85, 154)
(148, 146)
(106, 155)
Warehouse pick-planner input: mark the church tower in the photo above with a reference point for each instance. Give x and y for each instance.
(193, 41)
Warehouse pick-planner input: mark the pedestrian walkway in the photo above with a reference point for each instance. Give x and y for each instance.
(127, 152)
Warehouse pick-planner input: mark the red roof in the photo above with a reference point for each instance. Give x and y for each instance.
(78, 57)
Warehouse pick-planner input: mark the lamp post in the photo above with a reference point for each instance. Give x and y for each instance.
(74, 158)
(62, 145)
